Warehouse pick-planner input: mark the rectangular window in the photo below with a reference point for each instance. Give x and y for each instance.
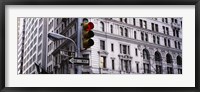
(141, 24)
(103, 61)
(102, 45)
(146, 37)
(135, 35)
(136, 52)
(134, 21)
(179, 71)
(169, 44)
(146, 68)
(113, 64)
(156, 26)
(145, 24)
(152, 26)
(175, 44)
(169, 70)
(165, 41)
(124, 49)
(166, 21)
(112, 47)
(137, 66)
(158, 69)
(120, 46)
(158, 40)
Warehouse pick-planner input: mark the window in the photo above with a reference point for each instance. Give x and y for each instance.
(157, 56)
(165, 41)
(103, 61)
(172, 19)
(102, 45)
(121, 29)
(177, 33)
(163, 20)
(167, 29)
(111, 28)
(154, 39)
(169, 58)
(137, 66)
(126, 32)
(156, 26)
(158, 40)
(179, 60)
(120, 19)
(124, 49)
(127, 65)
(146, 35)
(146, 54)
(152, 26)
(164, 29)
(179, 45)
(166, 21)
(174, 34)
(158, 69)
(143, 23)
(134, 21)
(102, 26)
(135, 35)
(169, 43)
(169, 70)
(113, 64)
(179, 71)
(175, 43)
(125, 20)
(136, 52)
(112, 47)
(142, 36)
(146, 68)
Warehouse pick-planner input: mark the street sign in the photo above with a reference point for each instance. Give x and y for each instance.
(83, 61)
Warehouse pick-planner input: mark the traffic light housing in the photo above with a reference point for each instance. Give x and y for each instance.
(87, 34)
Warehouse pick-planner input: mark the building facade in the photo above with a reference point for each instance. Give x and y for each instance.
(34, 48)
(121, 46)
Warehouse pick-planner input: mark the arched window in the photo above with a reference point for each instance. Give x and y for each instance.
(111, 28)
(146, 54)
(126, 32)
(179, 60)
(157, 56)
(101, 26)
(169, 58)
(121, 29)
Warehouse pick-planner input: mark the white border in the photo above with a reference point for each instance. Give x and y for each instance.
(187, 79)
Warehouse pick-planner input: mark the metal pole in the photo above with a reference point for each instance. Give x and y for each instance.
(79, 38)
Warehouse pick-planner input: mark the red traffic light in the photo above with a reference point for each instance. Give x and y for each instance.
(88, 26)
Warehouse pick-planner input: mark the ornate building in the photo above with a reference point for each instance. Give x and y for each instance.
(121, 46)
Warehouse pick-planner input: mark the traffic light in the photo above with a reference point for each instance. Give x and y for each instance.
(87, 33)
